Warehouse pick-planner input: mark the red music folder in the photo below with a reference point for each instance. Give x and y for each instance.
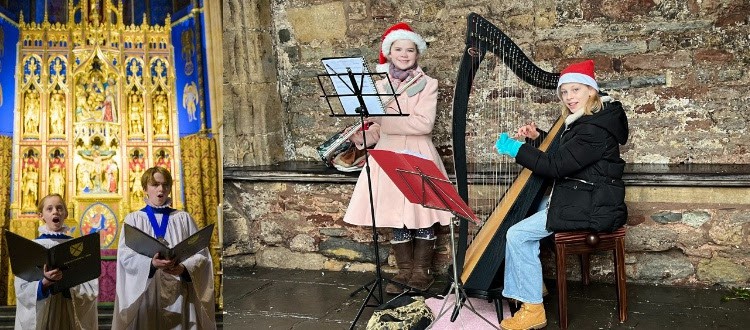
(421, 182)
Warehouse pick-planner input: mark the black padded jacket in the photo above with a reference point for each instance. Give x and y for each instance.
(588, 191)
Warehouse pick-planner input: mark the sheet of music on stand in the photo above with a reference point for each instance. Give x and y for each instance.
(338, 67)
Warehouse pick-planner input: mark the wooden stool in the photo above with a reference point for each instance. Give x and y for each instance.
(584, 243)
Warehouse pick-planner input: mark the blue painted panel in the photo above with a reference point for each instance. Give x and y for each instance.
(186, 77)
(139, 8)
(10, 13)
(159, 10)
(57, 11)
(7, 75)
(39, 11)
(181, 8)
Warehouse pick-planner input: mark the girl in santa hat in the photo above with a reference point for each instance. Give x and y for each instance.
(588, 192)
(413, 239)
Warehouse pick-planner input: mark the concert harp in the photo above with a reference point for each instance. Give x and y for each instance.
(496, 81)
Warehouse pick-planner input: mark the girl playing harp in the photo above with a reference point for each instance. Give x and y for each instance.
(588, 192)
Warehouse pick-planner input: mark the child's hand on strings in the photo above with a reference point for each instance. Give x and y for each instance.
(51, 276)
(527, 131)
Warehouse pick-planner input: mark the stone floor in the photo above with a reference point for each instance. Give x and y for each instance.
(301, 299)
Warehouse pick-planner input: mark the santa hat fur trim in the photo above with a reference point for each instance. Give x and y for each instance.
(582, 73)
(398, 31)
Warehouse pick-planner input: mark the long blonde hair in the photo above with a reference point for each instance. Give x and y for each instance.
(592, 106)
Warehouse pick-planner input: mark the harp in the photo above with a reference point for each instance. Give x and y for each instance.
(489, 54)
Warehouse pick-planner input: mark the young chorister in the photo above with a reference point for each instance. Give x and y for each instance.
(158, 293)
(38, 305)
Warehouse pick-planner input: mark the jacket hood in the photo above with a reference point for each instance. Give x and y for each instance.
(611, 118)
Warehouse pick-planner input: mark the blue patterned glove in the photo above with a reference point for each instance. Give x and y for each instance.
(507, 146)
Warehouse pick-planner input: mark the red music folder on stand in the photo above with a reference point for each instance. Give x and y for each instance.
(421, 182)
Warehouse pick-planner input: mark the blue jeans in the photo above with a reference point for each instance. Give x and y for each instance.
(523, 269)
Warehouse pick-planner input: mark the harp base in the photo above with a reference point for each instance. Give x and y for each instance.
(459, 294)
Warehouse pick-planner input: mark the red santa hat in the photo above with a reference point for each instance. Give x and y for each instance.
(581, 72)
(398, 31)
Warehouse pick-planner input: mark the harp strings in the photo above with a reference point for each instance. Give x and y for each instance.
(499, 102)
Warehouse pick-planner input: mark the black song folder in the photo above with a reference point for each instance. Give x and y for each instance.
(148, 245)
(79, 259)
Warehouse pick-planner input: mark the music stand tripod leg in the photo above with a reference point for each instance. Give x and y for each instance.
(377, 283)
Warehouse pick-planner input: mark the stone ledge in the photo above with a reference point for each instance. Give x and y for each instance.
(684, 175)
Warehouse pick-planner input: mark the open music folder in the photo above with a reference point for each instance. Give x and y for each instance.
(79, 259)
(148, 245)
(421, 182)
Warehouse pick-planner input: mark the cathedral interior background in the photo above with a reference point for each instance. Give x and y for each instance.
(98, 91)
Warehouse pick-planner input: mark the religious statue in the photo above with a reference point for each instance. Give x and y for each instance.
(84, 178)
(30, 185)
(82, 108)
(109, 111)
(135, 115)
(93, 102)
(162, 159)
(31, 114)
(136, 171)
(57, 174)
(190, 100)
(57, 113)
(112, 176)
(161, 115)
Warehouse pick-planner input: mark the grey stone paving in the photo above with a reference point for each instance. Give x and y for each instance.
(304, 299)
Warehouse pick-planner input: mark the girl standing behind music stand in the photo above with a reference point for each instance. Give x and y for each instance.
(413, 235)
(588, 193)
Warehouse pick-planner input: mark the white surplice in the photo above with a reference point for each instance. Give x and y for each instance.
(163, 301)
(56, 311)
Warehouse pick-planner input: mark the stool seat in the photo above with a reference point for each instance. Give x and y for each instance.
(584, 243)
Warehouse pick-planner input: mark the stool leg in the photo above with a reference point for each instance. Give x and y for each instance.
(585, 268)
(562, 286)
(622, 296)
(498, 308)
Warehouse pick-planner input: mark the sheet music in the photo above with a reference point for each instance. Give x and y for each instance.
(343, 84)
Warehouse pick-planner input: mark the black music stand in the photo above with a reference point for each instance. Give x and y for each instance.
(422, 183)
(364, 92)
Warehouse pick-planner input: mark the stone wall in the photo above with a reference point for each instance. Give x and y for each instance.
(676, 235)
(679, 67)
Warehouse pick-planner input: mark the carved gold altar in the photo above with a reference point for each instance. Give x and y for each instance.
(95, 107)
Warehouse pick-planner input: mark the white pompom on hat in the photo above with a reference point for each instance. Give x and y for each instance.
(581, 72)
(398, 31)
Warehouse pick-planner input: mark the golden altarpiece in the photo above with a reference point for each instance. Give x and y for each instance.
(95, 108)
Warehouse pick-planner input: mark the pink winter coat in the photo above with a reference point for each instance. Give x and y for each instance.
(413, 133)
